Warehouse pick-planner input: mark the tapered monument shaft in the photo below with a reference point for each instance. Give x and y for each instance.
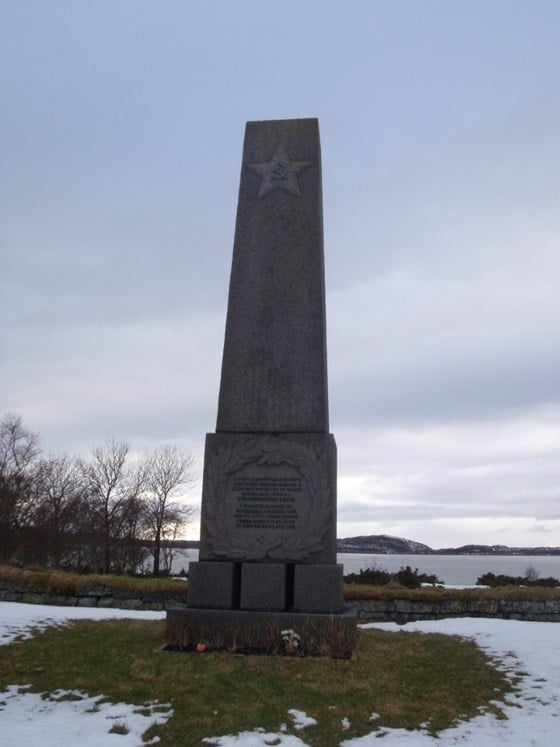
(274, 372)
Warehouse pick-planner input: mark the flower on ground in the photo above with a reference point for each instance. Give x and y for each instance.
(290, 638)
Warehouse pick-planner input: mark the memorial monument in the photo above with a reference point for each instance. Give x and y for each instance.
(267, 559)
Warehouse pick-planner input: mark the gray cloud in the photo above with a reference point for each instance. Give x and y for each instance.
(121, 140)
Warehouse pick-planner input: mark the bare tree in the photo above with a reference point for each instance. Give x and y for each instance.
(531, 573)
(130, 524)
(59, 511)
(109, 481)
(19, 447)
(19, 451)
(168, 473)
(97, 512)
(131, 546)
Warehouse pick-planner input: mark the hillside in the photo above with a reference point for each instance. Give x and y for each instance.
(378, 544)
(382, 544)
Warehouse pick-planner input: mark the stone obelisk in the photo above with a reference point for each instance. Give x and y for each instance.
(268, 520)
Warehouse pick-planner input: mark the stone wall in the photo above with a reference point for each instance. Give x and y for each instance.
(368, 610)
(404, 610)
(99, 596)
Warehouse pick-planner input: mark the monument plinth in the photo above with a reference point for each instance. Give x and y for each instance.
(268, 523)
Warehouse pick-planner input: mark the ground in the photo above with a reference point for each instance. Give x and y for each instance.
(524, 650)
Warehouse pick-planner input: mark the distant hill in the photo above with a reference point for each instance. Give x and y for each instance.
(382, 544)
(182, 544)
(378, 544)
(497, 550)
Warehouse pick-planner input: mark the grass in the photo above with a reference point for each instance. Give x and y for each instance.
(68, 584)
(407, 678)
(439, 594)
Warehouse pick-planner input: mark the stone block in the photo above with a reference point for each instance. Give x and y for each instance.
(155, 606)
(174, 604)
(64, 601)
(263, 586)
(95, 591)
(131, 604)
(243, 631)
(269, 498)
(318, 588)
(414, 607)
(212, 585)
(87, 602)
(33, 597)
(482, 607)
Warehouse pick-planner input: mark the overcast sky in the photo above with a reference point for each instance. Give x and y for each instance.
(121, 129)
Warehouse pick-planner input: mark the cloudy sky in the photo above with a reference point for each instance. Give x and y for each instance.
(121, 131)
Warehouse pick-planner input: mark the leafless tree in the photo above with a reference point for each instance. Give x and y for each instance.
(531, 573)
(19, 451)
(168, 473)
(59, 511)
(100, 512)
(110, 481)
(19, 447)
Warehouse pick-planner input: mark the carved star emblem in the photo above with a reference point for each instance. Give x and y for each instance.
(279, 173)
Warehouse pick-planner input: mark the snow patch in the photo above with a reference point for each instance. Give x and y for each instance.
(256, 739)
(301, 719)
(74, 717)
(22, 621)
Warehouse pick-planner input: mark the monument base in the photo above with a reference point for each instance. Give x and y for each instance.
(277, 633)
(268, 587)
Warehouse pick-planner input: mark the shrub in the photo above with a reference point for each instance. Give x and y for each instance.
(374, 576)
(492, 580)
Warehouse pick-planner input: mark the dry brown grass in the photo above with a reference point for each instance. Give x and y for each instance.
(439, 594)
(68, 584)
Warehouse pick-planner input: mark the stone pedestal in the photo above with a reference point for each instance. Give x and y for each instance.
(242, 631)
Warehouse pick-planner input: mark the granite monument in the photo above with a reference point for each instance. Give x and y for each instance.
(268, 519)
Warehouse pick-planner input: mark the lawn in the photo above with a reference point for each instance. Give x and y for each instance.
(408, 679)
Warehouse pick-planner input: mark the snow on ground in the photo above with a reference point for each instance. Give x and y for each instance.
(301, 719)
(533, 711)
(21, 620)
(525, 649)
(257, 738)
(72, 717)
(528, 649)
(69, 716)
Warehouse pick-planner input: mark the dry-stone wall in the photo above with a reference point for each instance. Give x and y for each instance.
(99, 596)
(404, 610)
(368, 610)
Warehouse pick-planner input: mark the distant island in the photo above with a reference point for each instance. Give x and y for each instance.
(383, 544)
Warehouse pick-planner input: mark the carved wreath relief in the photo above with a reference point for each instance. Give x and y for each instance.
(267, 499)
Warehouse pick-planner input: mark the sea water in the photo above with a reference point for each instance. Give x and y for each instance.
(454, 570)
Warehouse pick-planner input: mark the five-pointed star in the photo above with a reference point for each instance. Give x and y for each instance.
(279, 173)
